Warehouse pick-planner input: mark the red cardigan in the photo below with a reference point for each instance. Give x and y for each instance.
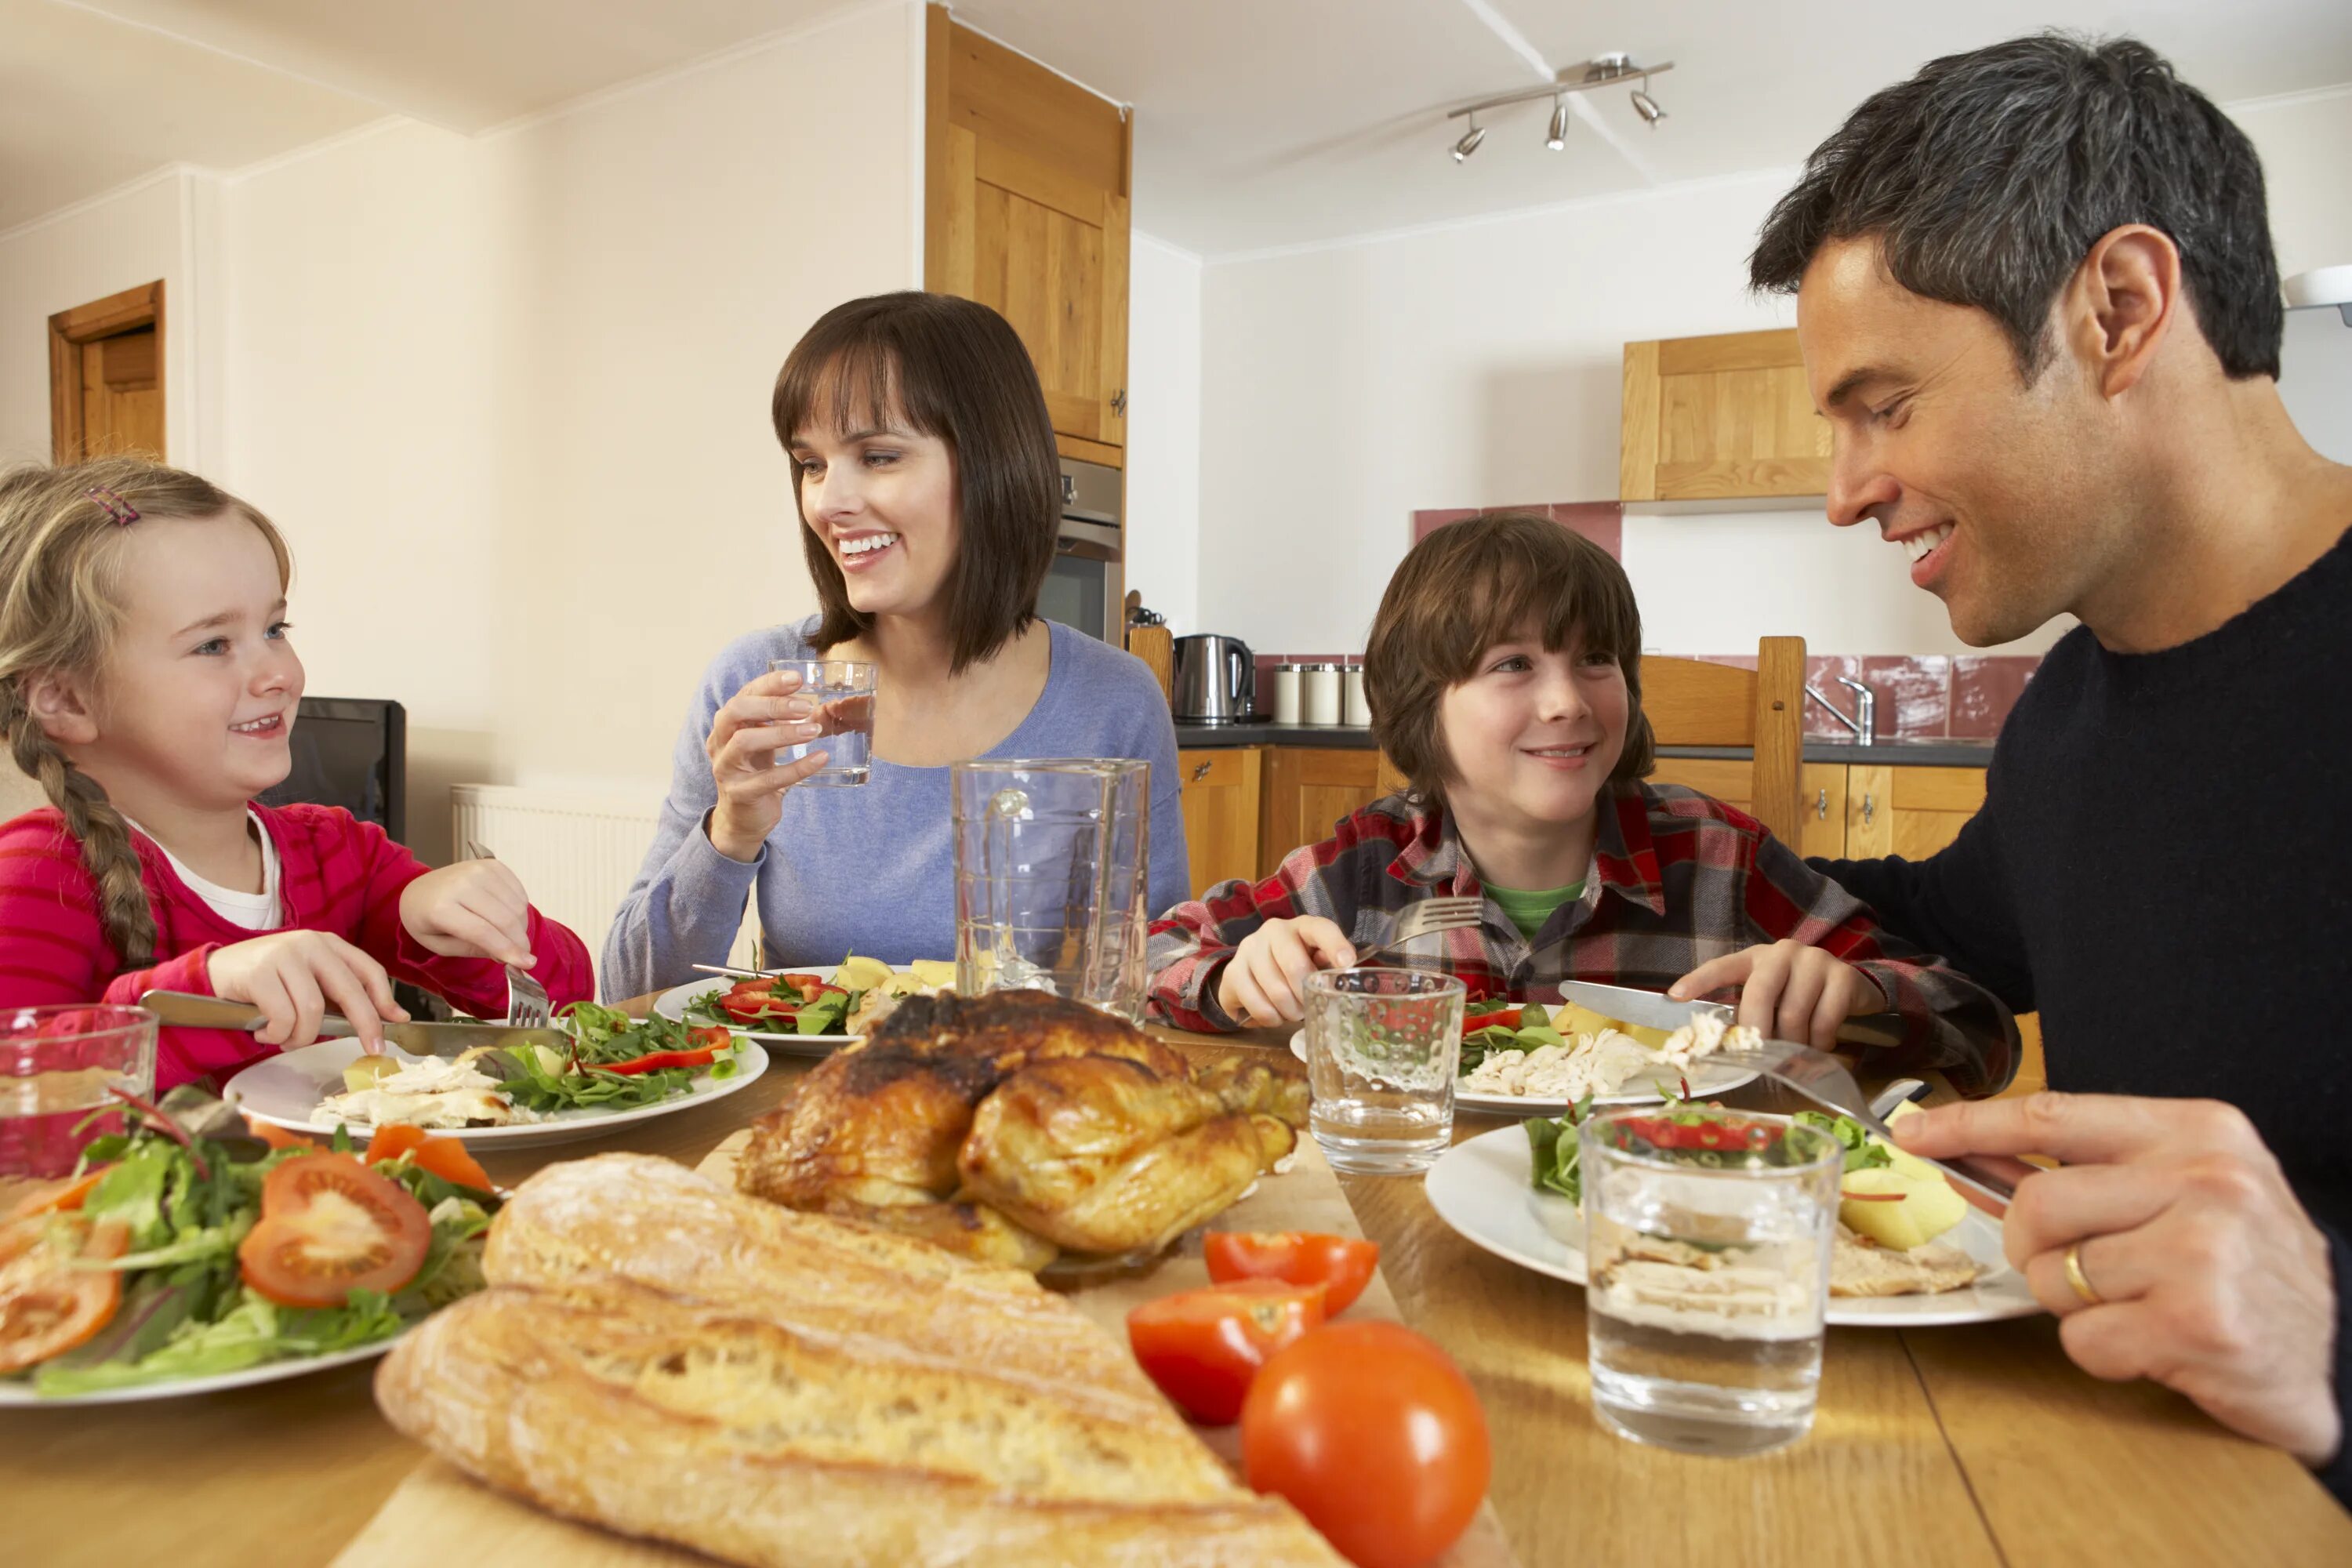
(337, 874)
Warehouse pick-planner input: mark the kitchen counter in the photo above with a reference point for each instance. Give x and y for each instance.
(1927, 753)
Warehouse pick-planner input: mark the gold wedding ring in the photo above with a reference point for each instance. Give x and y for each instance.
(2080, 1280)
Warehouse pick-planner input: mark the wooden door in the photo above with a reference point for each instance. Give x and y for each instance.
(106, 376)
(1822, 810)
(1221, 789)
(1728, 415)
(1027, 186)
(1308, 789)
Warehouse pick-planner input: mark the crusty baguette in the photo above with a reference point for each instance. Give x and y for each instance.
(669, 1360)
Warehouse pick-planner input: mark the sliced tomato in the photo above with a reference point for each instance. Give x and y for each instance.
(1503, 1015)
(1202, 1347)
(1372, 1433)
(280, 1137)
(67, 1193)
(48, 1305)
(1342, 1264)
(329, 1226)
(710, 1034)
(445, 1157)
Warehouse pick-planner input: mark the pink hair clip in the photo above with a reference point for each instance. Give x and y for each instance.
(123, 513)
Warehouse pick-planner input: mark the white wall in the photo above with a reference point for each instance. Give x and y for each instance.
(508, 394)
(2306, 142)
(128, 237)
(1479, 364)
(1163, 426)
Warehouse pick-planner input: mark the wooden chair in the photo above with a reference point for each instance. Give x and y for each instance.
(1691, 702)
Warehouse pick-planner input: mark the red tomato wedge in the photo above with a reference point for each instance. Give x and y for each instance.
(1372, 1433)
(68, 1193)
(1342, 1264)
(48, 1305)
(445, 1157)
(1202, 1347)
(330, 1226)
(1500, 1018)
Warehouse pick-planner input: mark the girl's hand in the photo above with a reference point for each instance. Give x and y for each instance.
(767, 715)
(1264, 981)
(475, 909)
(297, 976)
(1790, 990)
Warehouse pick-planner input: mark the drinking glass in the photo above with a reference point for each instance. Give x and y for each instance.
(1382, 1049)
(58, 1064)
(844, 688)
(1053, 864)
(1707, 1244)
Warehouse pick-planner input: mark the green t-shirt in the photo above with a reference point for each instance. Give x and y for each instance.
(1529, 910)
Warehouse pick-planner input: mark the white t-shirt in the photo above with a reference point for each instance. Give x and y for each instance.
(251, 911)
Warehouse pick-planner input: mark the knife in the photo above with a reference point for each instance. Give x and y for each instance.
(1651, 1009)
(183, 1009)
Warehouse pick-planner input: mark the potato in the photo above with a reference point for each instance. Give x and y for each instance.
(1575, 1018)
(861, 973)
(1928, 1209)
(362, 1074)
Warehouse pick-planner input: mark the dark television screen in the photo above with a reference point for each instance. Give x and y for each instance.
(352, 752)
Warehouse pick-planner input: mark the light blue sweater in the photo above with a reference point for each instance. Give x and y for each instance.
(868, 869)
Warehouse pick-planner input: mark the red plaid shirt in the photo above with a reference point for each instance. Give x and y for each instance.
(1677, 879)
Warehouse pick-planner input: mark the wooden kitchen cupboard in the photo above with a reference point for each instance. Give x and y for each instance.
(1719, 418)
(1308, 789)
(1026, 186)
(1221, 788)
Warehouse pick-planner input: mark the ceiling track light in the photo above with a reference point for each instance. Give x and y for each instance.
(1601, 70)
(1469, 142)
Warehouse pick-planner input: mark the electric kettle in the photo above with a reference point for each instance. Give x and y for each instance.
(1216, 680)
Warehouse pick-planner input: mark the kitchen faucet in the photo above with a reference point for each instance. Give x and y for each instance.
(1864, 721)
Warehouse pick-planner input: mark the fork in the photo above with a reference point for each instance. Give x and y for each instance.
(526, 1006)
(1427, 917)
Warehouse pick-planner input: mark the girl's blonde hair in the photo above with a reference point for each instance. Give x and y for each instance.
(61, 536)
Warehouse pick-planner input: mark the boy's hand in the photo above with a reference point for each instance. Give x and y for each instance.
(297, 976)
(1264, 981)
(475, 909)
(1790, 990)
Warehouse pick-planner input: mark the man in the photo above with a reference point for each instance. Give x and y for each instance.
(2039, 306)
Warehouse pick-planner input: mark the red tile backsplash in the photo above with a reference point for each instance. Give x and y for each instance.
(1985, 687)
(1602, 522)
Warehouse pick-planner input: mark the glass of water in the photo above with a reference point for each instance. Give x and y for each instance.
(1382, 1049)
(58, 1066)
(1707, 1243)
(844, 688)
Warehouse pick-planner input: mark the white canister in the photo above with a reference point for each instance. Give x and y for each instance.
(1285, 693)
(1354, 711)
(1319, 694)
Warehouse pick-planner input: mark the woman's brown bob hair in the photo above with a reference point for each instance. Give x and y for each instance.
(1471, 585)
(955, 369)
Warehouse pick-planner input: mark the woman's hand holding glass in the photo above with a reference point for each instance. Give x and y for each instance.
(768, 715)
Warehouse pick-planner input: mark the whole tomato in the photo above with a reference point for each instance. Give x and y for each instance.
(1202, 1347)
(1372, 1433)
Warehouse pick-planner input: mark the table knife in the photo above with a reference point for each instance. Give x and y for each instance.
(182, 1009)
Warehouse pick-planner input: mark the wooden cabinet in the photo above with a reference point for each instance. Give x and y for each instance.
(1720, 418)
(1909, 811)
(1222, 791)
(1025, 210)
(1308, 789)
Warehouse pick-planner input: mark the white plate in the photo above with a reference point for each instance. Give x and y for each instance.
(1705, 1081)
(1481, 1187)
(284, 1089)
(16, 1395)
(671, 1004)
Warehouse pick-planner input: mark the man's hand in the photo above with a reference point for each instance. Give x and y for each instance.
(2212, 1280)
(1789, 990)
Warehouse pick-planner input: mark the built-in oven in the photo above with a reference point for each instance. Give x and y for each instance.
(1087, 587)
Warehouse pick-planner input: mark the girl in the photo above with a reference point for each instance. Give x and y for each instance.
(147, 685)
(1504, 675)
(922, 459)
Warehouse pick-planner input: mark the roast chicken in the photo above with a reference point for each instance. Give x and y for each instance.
(1014, 1126)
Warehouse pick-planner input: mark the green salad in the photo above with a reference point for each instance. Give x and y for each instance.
(187, 1248)
(618, 1062)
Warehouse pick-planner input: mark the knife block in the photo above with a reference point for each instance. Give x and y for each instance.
(1156, 647)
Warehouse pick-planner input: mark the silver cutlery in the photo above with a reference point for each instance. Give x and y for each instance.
(526, 1006)
(1427, 917)
(182, 1009)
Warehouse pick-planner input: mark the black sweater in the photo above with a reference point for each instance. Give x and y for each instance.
(2163, 869)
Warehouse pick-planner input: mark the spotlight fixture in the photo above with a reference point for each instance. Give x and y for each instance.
(1647, 106)
(1601, 70)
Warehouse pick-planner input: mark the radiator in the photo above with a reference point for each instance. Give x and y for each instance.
(576, 855)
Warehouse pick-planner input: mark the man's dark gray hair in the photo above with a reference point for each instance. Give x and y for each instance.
(1988, 177)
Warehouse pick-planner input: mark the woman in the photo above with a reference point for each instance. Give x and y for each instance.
(929, 495)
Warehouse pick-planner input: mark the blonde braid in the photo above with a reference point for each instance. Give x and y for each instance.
(106, 852)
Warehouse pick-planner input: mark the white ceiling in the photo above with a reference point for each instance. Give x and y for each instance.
(1259, 122)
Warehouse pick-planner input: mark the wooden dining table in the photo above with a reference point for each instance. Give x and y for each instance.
(1974, 1445)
